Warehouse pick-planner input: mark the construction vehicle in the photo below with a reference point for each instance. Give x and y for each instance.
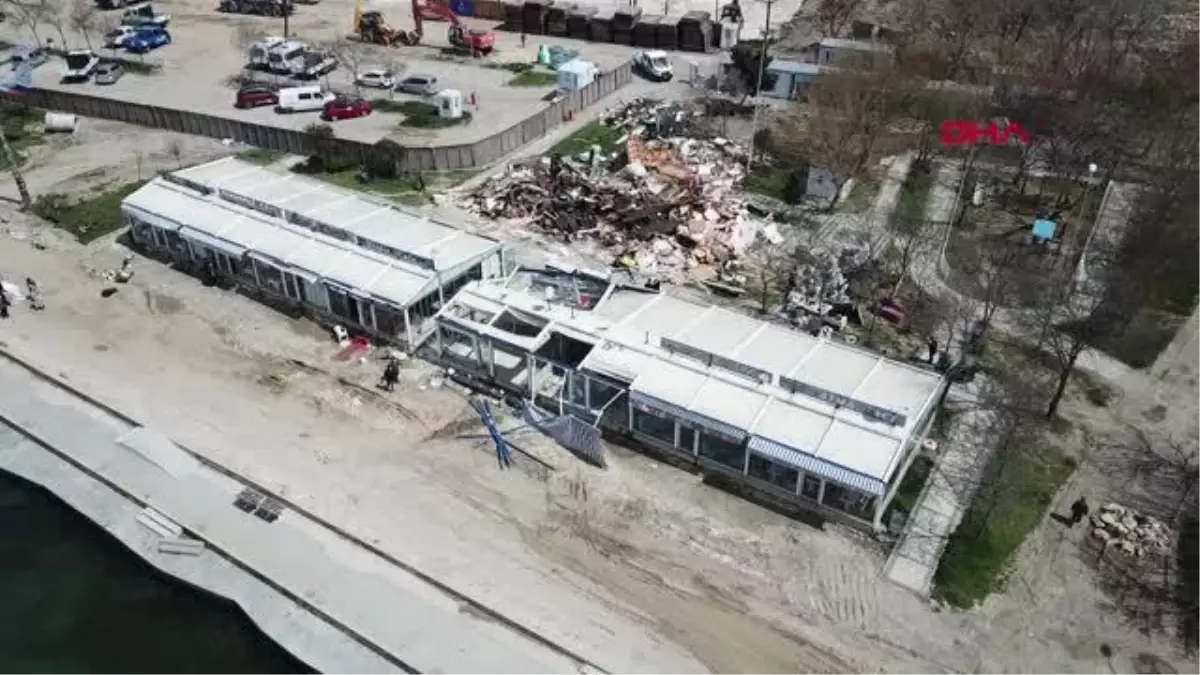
(372, 27)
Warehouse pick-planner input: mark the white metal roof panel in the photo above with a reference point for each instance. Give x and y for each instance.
(792, 426)
(355, 271)
(317, 197)
(835, 368)
(775, 350)
(670, 383)
(661, 317)
(346, 214)
(725, 402)
(718, 331)
(899, 388)
(621, 303)
(400, 230)
(620, 362)
(458, 247)
(399, 286)
(217, 172)
(276, 192)
(860, 450)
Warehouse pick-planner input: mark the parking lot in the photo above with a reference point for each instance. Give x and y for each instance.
(205, 55)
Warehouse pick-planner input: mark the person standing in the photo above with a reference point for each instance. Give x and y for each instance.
(1079, 511)
(391, 375)
(5, 302)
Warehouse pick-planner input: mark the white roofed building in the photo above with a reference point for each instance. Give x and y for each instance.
(345, 256)
(811, 421)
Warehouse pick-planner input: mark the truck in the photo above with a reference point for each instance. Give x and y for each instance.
(653, 65)
(80, 64)
(144, 15)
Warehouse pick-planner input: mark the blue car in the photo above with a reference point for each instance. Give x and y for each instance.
(146, 39)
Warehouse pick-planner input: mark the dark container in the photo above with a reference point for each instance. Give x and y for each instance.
(514, 15)
(579, 22)
(625, 18)
(600, 27)
(667, 35)
(697, 33)
(645, 31)
(533, 18)
(556, 19)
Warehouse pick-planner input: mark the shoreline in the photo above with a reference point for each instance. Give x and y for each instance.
(294, 615)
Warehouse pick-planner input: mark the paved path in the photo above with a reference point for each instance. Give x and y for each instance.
(394, 613)
(964, 456)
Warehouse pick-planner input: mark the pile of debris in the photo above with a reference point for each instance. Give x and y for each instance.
(1130, 532)
(668, 201)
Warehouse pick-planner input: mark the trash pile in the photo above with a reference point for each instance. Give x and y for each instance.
(667, 201)
(1130, 532)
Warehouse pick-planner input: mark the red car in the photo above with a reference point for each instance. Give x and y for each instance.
(343, 108)
(254, 95)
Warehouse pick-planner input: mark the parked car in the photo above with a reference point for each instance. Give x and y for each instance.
(144, 15)
(421, 85)
(254, 95)
(30, 57)
(653, 65)
(345, 107)
(257, 56)
(283, 57)
(302, 99)
(115, 38)
(146, 39)
(313, 64)
(108, 73)
(378, 78)
(81, 63)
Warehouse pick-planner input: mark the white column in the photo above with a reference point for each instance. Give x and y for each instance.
(408, 333)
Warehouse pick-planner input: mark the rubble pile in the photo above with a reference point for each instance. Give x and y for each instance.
(1130, 532)
(667, 202)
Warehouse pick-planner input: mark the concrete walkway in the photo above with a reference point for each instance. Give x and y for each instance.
(940, 508)
(382, 606)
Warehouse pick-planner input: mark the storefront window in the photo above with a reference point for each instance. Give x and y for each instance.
(848, 500)
(659, 428)
(389, 321)
(722, 450)
(270, 277)
(811, 487)
(579, 389)
(687, 439)
(771, 472)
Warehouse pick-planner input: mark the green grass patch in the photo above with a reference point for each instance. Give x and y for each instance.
(534, 78)
(769, 181)
(1096, 391)
(418, 114)
(862, 195)
(384, 187)
(89, 218)
(1020, 485)
(262, 156)
(22, 128)
(914, 481)
(514, 67)
(1139, 342)
(592, 133)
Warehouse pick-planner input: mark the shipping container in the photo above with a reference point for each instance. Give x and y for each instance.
(579, 22)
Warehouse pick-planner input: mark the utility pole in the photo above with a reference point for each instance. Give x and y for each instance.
(15, 169)
(762, 69)
(287, 6)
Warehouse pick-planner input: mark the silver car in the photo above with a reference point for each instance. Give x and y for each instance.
(421, 85)
(108, 73)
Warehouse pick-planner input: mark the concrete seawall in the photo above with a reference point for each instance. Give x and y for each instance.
(334, 604)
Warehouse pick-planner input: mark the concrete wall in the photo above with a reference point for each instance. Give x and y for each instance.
(436, 158)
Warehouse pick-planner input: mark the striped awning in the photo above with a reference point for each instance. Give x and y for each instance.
(807, 463)
(152, 219)
(688, 416)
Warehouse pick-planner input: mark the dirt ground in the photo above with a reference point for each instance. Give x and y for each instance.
(640, 567)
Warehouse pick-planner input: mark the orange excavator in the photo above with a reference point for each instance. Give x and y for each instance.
(372, 27)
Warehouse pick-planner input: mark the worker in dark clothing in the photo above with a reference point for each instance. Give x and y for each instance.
(522, 39)
(933, 347)
(391, 375)
(1079, 511)
(5, 302)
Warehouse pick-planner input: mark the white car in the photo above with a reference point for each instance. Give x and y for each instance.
(80, 65)
(377, 78)
(115, 38)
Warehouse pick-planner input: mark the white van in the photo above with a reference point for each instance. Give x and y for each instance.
(281, 57)
(302, 99)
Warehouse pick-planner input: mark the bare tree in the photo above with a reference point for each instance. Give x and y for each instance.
(83, 19)
(54, 12)
(31, 14)
(352, 55)
(834, 15)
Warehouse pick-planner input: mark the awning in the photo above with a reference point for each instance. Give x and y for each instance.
(211, 241)
(152, 219)
(807, 463)
(688, 416)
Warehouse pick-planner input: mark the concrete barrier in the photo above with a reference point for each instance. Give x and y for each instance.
(432, 158)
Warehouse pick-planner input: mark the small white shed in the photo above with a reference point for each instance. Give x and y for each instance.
(576, 74)
(449, 103)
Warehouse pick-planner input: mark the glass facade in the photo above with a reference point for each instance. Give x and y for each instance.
(779, 475)
(654, 426)
(848, 500)
(723, 450)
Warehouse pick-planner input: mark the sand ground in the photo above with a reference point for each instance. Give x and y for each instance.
(640, 567)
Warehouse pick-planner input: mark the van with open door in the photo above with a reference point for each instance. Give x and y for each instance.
(302, 99)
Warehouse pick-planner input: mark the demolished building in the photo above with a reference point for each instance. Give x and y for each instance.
(806, 421)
